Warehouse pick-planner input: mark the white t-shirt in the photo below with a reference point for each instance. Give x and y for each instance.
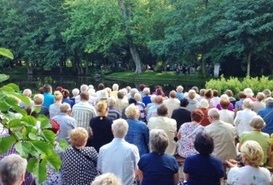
(249, 175)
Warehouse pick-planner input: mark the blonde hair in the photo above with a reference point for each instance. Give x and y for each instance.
(102, 108)
(191, 94)
(78, 136)
(252, 153)
(106, 179)
(58, 95)
(38, 99)
(132, 111)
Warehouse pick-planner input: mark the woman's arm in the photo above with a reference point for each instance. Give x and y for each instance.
(139, 175)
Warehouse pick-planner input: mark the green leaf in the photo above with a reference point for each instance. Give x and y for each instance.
(6, 53)
(29, 121)
(45, 123)
(6, 143)
(14, 123)
(3, 77)
(63, 144)
(37, 168)
(11, 101)
(54, 161)
(4, 106)
(49, 135)
(32, 136)
(42, 147)
(24, 148)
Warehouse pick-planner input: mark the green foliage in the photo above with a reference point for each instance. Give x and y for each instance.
(6, 52)
(236, 85)
(30, 136)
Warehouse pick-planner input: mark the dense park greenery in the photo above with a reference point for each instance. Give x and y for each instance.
(126, 34)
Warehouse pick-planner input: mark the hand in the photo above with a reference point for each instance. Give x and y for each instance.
(232, 163)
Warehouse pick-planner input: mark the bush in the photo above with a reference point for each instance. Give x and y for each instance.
(257, 84)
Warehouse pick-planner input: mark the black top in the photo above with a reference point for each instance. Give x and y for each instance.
(181, 115)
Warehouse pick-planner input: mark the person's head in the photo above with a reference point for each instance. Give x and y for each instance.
(242, 95)
(133, 91)
(249, 92)
(12, 170)
(153, 96)
(65, 108)
(204, 103)
(215, 93)
(252, 153)
(102, 108)
(141, 87)
(106, 179)
(38, 99)
(132, 100)
(158, 141)
(162, 110)
(84, 96)
(213, 114)
(27, 92)
(158, 99)
(184, 102)
(115, 87)
(101, 86)
(197, 115)
(111, 102)
(120, 94)
(209, 94)
(267, 93)
(247, 103)
(172, 94)
(78, 137)
(195, 88)
(202, 92)
(224, 103)
(75, 92)
(179, 89)
(120, 128)
(132, 112)
(229, 93)
(269, 102)
(59, 88)
(260, 96)
(257, 122)
(66, 93)
(146, 91)
(203, 143)
(58, 96)
(138, 97)
(47, 88)
(191, 94)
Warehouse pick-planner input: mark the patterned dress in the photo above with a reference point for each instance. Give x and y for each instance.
(188, 132)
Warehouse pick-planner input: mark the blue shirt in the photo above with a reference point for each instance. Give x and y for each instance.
(267, 115)
(158, 169)
(203, 170)
(48, 100)
(138, 134)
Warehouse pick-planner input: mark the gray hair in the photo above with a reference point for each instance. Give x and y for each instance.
(132, 111)
(158, 141)
(146, 90)
(257, 122)
(75, 92)
(65, 107)
(115, 87)
(214, 113)
(137, 97)
(120, 128)
(111, 101)
(84, 88)
(269, 102)
(247, 103)
(27, 92)
(12, 168)
(107, 179)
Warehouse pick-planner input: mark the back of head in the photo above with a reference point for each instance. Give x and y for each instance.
(84, 88)
(120, 128)
(248, 92)
(195, 88)
(102, 108)
(137, 97)
(58, 95)
(146, 91)
(158, 141)
(191, 94)
(247, 103)
(204, 103)
(172, 94)
(179, 89)
(65, 108)
(229, 92)
(267, 93)
(84, 96)
(242, 95)
(38, 99)
(66, 93)
(260, 96)
(252, 153)
(257, 122)
(120, 94)
(209, 93)
(75, 92)
(111, 102)
(162, 110)
(215, 93)
(115, 87)
(12, 169)
(27, 92)
(101, 86)
(269, 102)
(214, 113)
(107, 179)
(184, 102)
(78, 137)
(47, 88)
(158, 99)
(224, 103)
(197, 115)
(203, 143)
(132, 111)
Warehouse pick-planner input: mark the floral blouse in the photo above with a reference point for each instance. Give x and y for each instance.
(188, 132)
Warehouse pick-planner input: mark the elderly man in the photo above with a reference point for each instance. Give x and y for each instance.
(119, 157)
(223, 135)
(83, 111)
(267, 115)
(67, 123)
(171, 103)
(12, 170)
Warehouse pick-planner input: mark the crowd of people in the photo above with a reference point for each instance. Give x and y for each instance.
(135, 136)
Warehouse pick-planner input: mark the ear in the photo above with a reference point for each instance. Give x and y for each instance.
(22, 178)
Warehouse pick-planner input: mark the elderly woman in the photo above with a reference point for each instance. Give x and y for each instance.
(203, 167)
(193, 103)
(243, 117)
(251, 173)
(12, 170)
(187, 134)
(106, 179)
(257, 123)
(259, 104)
(79, 162)
(100, 127)
(167, 124)
(138, 132)
(157, 167)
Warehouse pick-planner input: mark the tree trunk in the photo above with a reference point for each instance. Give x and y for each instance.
(29, 69)
(248, 64)
(77, 64)
(203, 68)
(126, 13)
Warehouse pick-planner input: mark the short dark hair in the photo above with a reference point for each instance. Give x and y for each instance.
(162, 110)
(101, 86)
(84, 96)
(47, 88)
(204, 143)
(184, 102)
